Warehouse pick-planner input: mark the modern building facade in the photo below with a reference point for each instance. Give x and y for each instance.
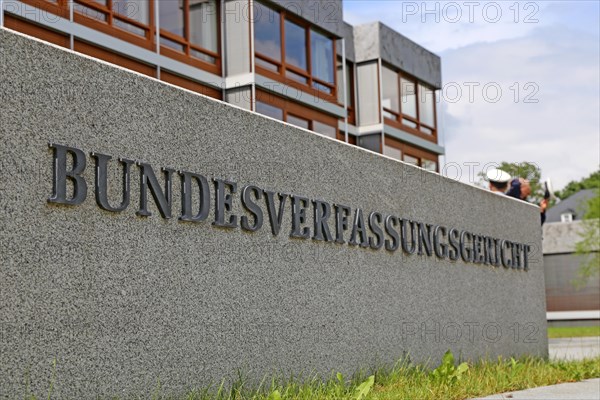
(296, 61)
(567, 303)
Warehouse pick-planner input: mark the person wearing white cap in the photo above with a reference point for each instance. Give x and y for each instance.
(498, 180)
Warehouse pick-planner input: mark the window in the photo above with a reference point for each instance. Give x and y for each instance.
(289, 49)
(429, 165)
(295, 114)
(566, 217)
(424, 163)
(408, 103)
(349, 90)
(126, 19)
(297, 121)
(267, 37)
(189, 30)
(269, 110)
(324, 129)
(371, 142)
(411, 160)
(392, 152)
(409, 154)
(58, 7)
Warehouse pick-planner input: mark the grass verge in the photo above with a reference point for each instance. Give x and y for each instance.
(404, 381)
(572, 331)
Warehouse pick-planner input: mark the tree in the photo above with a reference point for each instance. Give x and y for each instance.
(591, 182)
(589, 245)
(527, 170)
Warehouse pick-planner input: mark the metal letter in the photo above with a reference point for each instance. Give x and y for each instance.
(224, 203)
(359, 228)
(60, 175)
(391, 245)
(403, 236)
(375, 219)
(274, 217)
(161, 199)
(341, 222)
(102, 182)
(186, 197)
(441, 249)
(322, 212)
(505, 262)
(453, 239)
(465, 252)
(251, 206)
(299, 205)
(424, 238)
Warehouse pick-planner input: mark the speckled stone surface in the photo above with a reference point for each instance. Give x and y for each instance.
(120, 302)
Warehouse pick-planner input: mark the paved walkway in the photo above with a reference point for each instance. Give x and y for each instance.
(574, 348)
(584, 390)
(564, 349)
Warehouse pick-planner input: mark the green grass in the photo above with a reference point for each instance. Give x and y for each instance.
(407, 381)
(573, 331)
(404, 381)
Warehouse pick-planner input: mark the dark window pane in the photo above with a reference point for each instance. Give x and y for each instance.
(408, 122)
(322, 88)
(174, 45)
(429, 165)
(426, 130)
(89, 12)
(171, 16)
(295, 76)
(408, 91)
(266, 65)
(129, 27)
(426, 108)
(137, 10)
(295, 45)
(269, 110)
(321, 48)
(324, 129)
(411, 160)
(392, 152)
(340, 83)
(201, 56)
(203, 24)
(390, 91)
(301, 122)
(267, 32)
(370, 142)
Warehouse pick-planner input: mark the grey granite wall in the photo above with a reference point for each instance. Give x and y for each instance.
(109, 304)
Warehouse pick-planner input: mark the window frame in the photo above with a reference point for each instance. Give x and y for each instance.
(60, 8)
(148, 41)
(350, 78)
(296, 110)
(411, 151)
(283, 66)
(188, 46)
(399, 116)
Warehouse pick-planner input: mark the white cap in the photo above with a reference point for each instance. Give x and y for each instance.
(498, 176)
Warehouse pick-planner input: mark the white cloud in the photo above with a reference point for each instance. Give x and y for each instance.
(558, 56)
(560, 132)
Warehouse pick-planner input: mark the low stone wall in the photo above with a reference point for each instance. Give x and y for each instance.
(150, 234)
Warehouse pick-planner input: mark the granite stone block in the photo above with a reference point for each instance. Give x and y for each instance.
(110, 303)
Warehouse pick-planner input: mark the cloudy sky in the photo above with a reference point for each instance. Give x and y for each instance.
(521, 79)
